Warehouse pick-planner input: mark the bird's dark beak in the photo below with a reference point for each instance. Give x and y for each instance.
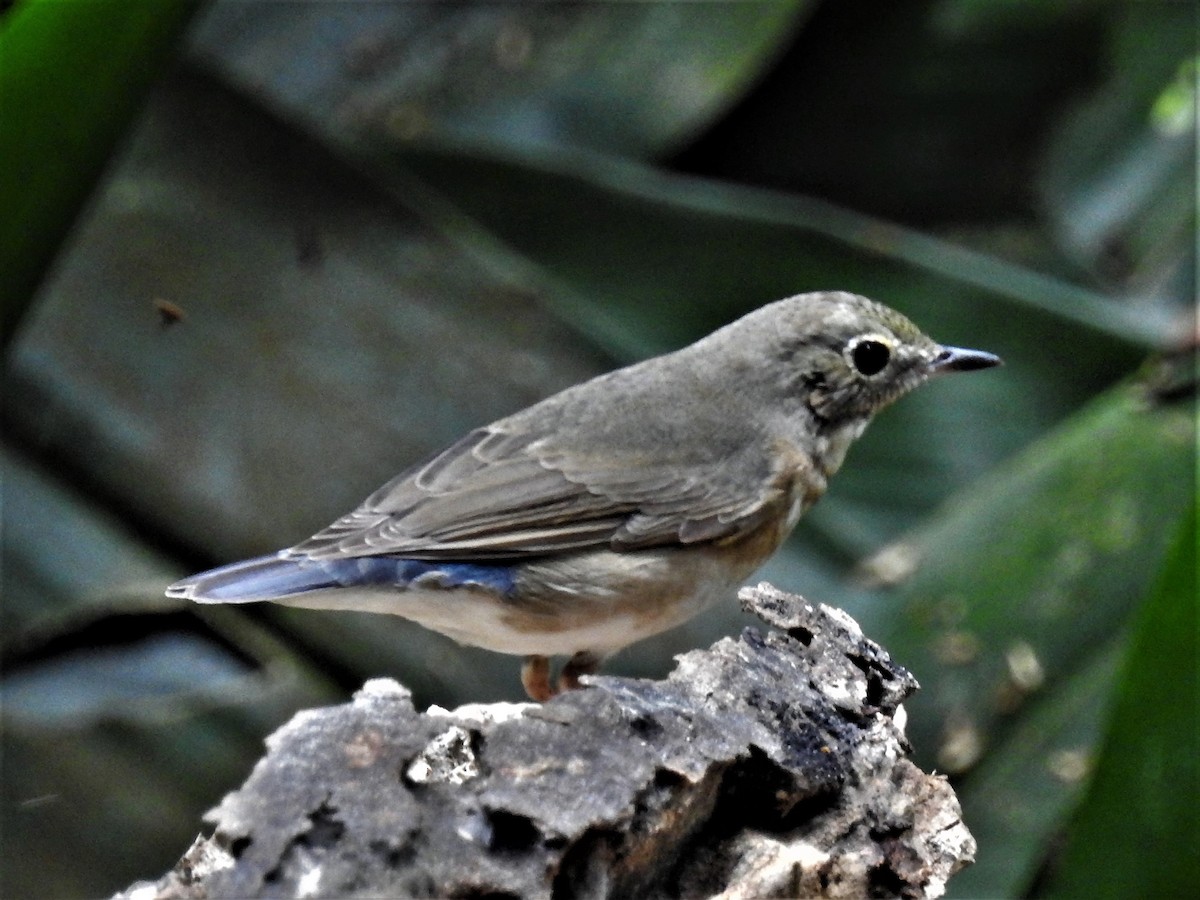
(957, 359)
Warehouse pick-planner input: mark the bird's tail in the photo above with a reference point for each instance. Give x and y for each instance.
(251, 580)
(282, 576)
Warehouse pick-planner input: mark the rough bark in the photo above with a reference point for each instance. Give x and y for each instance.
(772, 764)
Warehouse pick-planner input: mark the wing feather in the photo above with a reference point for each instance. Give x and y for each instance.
(497, 494)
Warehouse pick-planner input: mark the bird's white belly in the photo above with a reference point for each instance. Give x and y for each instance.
(599, 601)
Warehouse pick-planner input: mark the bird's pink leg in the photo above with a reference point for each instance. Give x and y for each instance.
(535, 676)
(582, 663)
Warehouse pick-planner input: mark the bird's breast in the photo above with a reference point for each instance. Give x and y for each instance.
(800, 482)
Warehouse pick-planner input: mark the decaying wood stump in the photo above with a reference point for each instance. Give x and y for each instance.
(768, 765)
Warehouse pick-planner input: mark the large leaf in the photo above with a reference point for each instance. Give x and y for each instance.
(72, 75)
(629, 78)
(124, 714)
(1137, 833)
(1019, 602)
(1118, 184)
(925, 113)
(1016, 800)
(60, 555)
(329, 337)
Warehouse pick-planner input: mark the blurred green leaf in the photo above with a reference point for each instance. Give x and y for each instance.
(1137, 832)
(1118, 180)
(928, 112)
(329, 337)
(124, 714)
(630, 78)
(72, 75)
(1020, 591)
(1015, 800)
(322, 325)
(651, 238)
(127, 720)
(123, 776)
(66, 555)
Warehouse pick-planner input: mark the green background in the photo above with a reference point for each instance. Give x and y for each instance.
(383, 224)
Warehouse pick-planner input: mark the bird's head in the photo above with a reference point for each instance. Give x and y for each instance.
(850, 357)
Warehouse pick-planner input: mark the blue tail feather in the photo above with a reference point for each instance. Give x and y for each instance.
(274, 577)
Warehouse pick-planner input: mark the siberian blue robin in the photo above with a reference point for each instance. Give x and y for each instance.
(619, 507)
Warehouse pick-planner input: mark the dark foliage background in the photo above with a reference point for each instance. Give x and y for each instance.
(260, 256)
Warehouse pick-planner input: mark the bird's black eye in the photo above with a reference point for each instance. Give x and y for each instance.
(870, 357)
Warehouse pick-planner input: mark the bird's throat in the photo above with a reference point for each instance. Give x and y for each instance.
(833, 442)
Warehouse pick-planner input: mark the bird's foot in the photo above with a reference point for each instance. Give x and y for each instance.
(582, 663)
(535, 674)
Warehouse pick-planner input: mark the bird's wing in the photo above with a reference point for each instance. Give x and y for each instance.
(497, 494)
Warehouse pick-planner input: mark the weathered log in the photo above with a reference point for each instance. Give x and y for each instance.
(768, 765)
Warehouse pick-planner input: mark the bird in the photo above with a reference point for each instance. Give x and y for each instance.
(620, 507)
